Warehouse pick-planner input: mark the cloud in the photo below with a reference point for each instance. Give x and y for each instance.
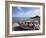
(20, 9)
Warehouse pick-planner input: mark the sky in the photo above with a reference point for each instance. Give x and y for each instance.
(25, 11)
